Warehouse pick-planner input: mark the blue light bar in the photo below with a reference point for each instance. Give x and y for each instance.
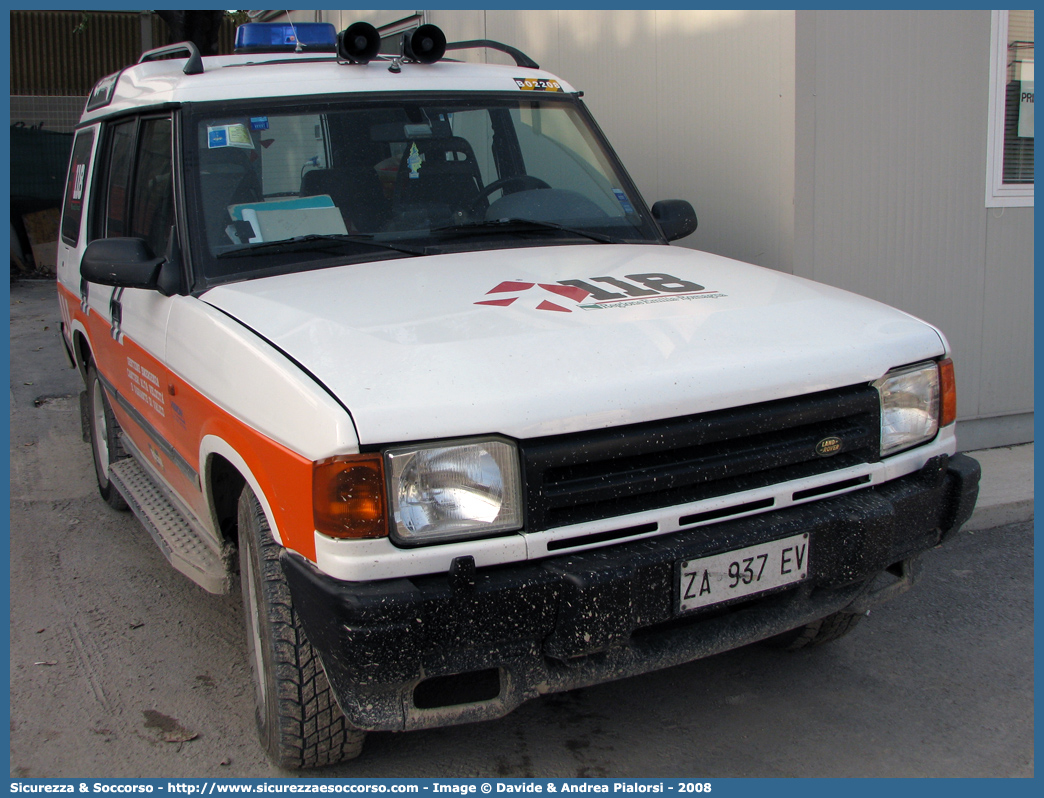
(284, 37)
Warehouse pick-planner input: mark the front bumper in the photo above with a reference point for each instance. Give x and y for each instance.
(451, 648)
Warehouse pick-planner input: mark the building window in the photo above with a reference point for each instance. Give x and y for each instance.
(1009, 178)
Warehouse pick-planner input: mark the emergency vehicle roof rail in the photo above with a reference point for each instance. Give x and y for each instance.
(521, 59)
(194, 65)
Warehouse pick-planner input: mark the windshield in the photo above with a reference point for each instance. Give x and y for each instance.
(353, 180)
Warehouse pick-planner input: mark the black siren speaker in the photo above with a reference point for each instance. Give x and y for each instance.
(426, 44)
(359, 43)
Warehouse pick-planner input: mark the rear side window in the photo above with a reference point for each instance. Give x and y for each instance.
(79, 166)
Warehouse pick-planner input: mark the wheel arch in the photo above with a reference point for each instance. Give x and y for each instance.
(224, 474)
(224, 486)
(81, 347)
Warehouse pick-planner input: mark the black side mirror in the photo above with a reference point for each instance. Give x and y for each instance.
(121, 262)
(676, 218)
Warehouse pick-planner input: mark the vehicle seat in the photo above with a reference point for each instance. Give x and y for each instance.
(356, 191)
(441, 189)
(227, 177)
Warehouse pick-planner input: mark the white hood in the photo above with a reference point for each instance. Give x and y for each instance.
(414, 349)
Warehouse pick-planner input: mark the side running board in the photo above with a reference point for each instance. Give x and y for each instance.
(183, 546)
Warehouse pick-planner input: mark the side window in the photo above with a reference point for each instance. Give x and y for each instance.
(79, 167)
(475, 126)
(290, 145)
(559, 149)
(120, 161)
(139, 192)
(152, 211)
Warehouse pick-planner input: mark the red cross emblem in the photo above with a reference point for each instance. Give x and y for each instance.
(514, 287)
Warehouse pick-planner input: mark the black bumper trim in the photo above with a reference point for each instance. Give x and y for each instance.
(579, 619)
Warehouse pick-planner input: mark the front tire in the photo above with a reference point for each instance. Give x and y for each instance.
(298, 720)
(105, 438)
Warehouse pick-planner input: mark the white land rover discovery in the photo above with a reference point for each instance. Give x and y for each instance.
(397, 340)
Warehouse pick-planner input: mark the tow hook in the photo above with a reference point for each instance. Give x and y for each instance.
(905, 573)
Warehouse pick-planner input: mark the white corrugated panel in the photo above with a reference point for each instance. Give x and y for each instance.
(893, 190)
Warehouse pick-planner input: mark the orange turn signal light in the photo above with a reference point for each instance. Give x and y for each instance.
(348, 496)
(947, 393)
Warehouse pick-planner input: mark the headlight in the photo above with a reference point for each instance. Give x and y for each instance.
(448, 491)
(909, 406)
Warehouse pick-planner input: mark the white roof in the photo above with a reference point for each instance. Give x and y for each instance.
(234, 77)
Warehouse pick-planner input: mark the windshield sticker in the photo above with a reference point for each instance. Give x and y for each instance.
(624, 202)
(259, 123)
(414, 161)
(538, 84)
(228, 136)
(636, 289)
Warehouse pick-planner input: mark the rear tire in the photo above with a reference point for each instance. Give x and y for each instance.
(105, 438)
(298, 720)
(825, 630)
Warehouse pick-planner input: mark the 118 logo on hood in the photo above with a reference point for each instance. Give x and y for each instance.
(636, 287)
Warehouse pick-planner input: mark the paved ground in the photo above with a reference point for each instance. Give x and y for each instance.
(1006, 491)
(117, 660)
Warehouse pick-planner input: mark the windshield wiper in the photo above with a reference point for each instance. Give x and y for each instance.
(519, 226)
(329, 242)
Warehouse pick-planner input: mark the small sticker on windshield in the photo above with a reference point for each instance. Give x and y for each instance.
(228, 136)
(538, 84)
(624, 202)
(259, 123)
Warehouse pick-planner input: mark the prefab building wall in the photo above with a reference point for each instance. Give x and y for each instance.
(892, 116)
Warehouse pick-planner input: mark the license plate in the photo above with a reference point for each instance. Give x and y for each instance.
(743, 572)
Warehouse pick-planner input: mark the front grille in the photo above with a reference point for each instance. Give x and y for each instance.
(591, 476)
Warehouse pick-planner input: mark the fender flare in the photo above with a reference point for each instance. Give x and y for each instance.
(76, 327)
(213, 444)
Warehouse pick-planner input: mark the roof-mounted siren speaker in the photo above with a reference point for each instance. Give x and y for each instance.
(426, 44)
(359, 43)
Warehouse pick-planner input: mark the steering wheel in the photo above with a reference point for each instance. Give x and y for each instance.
(522, 183)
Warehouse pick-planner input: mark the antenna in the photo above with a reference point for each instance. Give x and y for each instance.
(300, 47)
